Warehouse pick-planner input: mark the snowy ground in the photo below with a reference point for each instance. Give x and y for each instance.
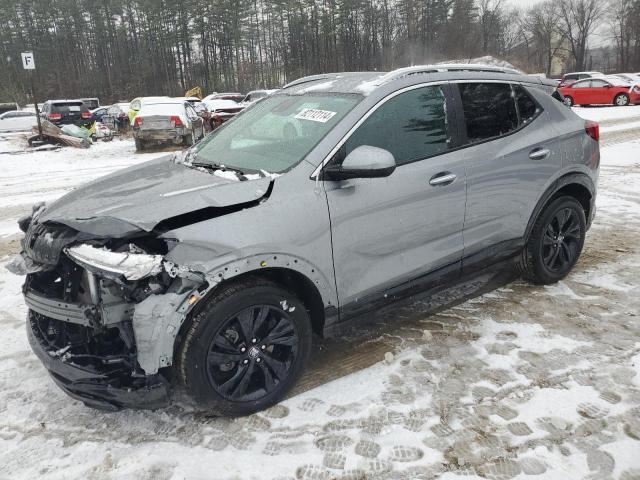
(517, 382)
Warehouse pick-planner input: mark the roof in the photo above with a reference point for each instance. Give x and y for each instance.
(365, 82)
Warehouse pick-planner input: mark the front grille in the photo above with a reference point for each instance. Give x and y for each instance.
(45, 243)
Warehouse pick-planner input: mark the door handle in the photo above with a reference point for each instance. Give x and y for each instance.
(442, 179)
(539, 153)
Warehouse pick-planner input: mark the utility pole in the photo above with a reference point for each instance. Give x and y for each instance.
(29, 63)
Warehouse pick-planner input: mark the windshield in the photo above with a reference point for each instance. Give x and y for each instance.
(276, 133)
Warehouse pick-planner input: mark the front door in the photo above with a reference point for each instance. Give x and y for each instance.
(387, 232)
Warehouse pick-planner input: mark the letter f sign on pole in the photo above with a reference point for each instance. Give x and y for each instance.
(29, 63)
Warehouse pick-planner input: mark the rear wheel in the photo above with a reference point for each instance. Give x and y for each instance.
(568, 101)
(555, 242)
(140, 144)
(621, 100)
(246, 348)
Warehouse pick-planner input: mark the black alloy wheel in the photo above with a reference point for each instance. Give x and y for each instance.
(561, 240)
(252, 353)
(555, 242)
(244, 347)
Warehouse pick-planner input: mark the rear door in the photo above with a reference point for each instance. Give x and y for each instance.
(511, 152)
(581, 92)
(601, 91)
(387, 232)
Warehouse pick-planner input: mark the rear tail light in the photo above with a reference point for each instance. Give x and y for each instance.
(54, 116)
(137, 121)
(86, 114)
(593, 130)
(175, 121)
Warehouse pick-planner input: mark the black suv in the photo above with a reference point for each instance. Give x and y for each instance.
(65, 112)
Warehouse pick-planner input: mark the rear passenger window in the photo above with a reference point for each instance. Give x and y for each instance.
(412, 126)
(489, 110)
(527, 107)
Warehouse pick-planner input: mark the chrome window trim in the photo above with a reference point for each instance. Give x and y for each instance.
(329, 156)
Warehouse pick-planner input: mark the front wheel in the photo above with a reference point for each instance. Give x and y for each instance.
(246, 348)
(555, 243)
(621, 100)
(568, 101)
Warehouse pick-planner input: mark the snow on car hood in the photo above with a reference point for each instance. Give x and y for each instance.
(140, 197)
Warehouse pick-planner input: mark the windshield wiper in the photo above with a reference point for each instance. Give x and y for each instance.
(224, 168)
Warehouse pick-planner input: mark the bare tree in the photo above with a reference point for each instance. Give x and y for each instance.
(489, 19)
(546, 36)
(621, 23)
(579, 19)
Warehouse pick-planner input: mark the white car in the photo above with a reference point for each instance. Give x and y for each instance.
(168, 119)
(17, 121)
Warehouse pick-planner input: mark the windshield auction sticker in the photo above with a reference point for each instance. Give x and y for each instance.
(322, 116)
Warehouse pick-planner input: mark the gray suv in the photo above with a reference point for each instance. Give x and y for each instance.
(213, 268)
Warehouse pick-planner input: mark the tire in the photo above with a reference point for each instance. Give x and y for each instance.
(229, 373)
(568, 101)
(553, 249)
(189, 139)
(621, 100)
(140, 144)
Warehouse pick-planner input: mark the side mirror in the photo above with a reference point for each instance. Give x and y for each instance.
(364, 162)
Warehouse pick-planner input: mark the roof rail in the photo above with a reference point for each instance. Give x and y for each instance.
(447, 67)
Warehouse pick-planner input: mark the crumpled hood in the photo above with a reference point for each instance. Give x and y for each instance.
(140, 197)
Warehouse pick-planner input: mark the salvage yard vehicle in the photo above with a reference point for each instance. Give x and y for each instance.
(569, 78)
(220, 111)
(17, 121)
(215, 266)
(67, 112)
(173, 120)
(136, 104)
(601, 91)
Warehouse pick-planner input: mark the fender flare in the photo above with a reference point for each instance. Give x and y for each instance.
(279, 260)
(574, 178)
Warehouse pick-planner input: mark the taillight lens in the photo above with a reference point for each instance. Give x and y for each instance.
(137, 121)
(54, 116)
(175, 121)
(593, 130)
(86, 114)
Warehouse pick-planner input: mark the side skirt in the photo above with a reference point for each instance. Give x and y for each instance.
(498, 257)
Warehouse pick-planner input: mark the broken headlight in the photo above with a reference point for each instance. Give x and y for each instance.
(130, 265)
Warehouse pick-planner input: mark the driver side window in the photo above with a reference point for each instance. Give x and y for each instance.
(412, 126)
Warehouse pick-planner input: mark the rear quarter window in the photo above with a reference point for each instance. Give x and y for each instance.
(527, 106)
(489, 110)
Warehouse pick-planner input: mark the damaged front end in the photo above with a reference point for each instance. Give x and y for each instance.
(104, 312)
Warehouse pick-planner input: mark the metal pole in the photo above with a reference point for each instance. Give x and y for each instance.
(35, 104)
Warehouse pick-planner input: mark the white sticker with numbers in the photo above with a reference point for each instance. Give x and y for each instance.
(322, 116)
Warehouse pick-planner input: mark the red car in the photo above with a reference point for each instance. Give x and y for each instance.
(601, 91)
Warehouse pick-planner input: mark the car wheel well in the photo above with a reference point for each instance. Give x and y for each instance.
(577, 191)
(299, 284)
(289, 279)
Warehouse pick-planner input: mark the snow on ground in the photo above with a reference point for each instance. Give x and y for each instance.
(519, 382)
(607, 114)
(47, 175)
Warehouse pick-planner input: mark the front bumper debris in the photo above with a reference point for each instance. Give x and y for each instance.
(100, 382)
